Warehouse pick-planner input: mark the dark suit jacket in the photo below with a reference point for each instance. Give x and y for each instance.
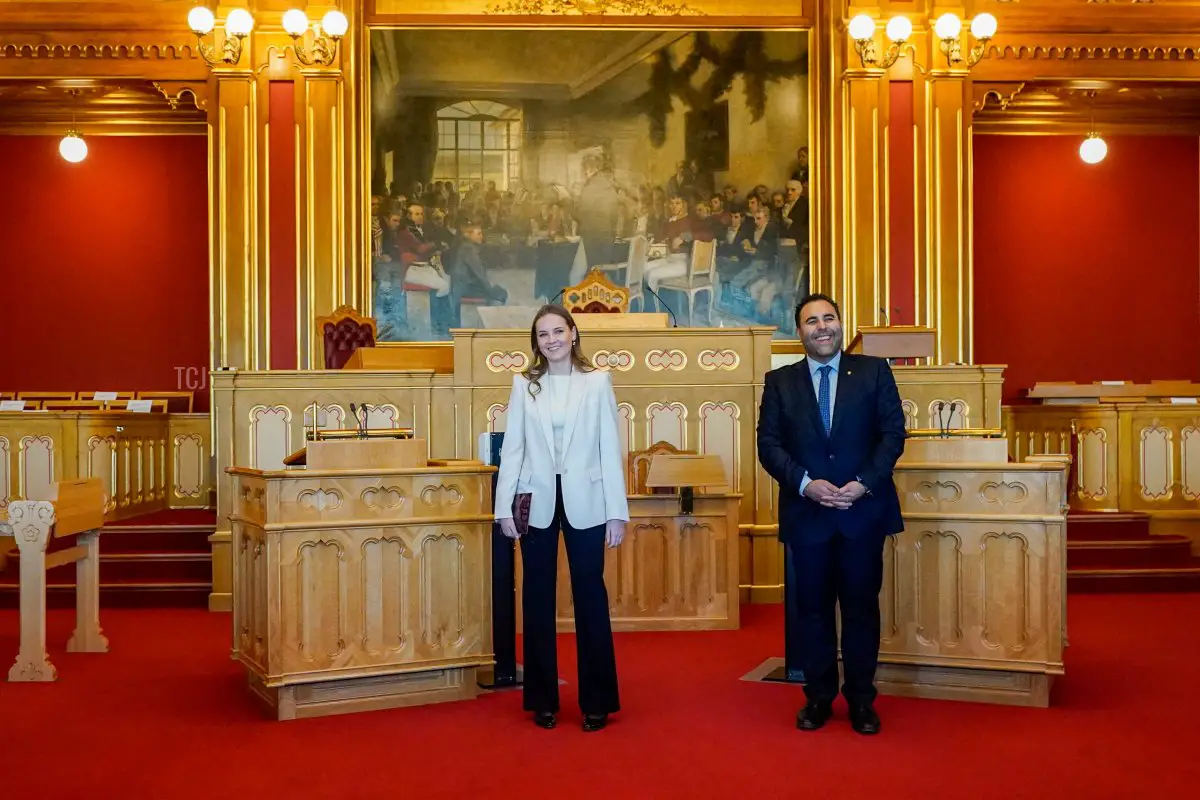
(864, 443)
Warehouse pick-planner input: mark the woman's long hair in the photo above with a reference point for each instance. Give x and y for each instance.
(538, 364)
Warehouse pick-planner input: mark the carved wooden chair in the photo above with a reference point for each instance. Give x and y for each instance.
(596, 294)
(343, 332)
(72, 405)
(34, 400)
(639, 466)
(176, 402)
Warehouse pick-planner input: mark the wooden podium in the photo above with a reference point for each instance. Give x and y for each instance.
(361, 587)
(676, 570)
(894, 341)
(973, 602)
(686, 472)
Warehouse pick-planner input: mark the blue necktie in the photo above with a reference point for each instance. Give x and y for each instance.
(823, 397)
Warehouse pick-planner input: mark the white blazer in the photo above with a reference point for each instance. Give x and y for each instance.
(593, 476)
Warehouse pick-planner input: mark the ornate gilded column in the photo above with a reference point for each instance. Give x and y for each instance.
(860, 278)
(944, 290)
(330, 169)
(947, 292)
(238, 315)
(326, 279)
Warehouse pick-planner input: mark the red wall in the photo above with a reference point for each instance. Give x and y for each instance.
(902, 273)
(282, 198)
(1087, 272)
(104, 264)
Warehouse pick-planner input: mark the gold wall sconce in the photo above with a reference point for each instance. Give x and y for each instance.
(862, 31)
(947, 28)
(325, 36)
(238, 25)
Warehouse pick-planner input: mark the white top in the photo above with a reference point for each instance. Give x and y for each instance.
(556, 391)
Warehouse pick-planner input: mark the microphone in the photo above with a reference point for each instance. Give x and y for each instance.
(554, 299)
(663, 303)
(941, 420)
(354, 413)
(883, 313)
(362, 427)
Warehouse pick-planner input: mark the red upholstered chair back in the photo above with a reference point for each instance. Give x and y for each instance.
(343, 332)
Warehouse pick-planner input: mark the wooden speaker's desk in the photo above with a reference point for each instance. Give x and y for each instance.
(357, 590)
(672, 572)
(974, 590)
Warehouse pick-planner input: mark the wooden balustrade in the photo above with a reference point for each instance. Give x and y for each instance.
(145, 462)
(1132, 456)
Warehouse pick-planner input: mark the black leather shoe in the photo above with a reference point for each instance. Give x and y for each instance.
(544, 719)
(594, 722)
(814, 716)
(864, 719)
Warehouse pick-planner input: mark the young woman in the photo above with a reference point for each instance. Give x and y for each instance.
(562, 456)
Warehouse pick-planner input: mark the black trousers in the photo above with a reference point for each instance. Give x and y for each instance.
(845, 574)
(593, 630)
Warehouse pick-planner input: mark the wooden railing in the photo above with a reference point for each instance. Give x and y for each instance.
(145, 462)
(1131, 456)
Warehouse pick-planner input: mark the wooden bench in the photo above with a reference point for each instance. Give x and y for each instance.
(73, 508)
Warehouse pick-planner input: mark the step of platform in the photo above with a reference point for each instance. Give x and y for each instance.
(159, 560)
(1148, 579)
(1154, 551)
(1099, 525)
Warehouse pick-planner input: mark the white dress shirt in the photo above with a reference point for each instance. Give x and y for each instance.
(813, 367)
(556, 388)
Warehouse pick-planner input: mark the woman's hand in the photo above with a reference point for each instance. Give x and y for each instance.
(614, 532)
(509, 528)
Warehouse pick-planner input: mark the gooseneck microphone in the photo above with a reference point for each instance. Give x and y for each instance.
(663, 303)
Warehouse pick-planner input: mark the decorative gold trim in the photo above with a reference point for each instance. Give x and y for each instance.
(710, 360)
(147, 51)
(506, 361)
(591, 8)
(673, 360)
(620, 360)
(1045, 52)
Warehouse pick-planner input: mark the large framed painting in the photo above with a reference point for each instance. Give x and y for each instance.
(506, 164)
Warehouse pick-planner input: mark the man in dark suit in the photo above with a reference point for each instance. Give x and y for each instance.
(830, 431)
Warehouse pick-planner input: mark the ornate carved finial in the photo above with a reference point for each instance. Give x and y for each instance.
(618, 8)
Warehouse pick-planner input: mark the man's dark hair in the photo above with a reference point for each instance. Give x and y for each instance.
(812, 298)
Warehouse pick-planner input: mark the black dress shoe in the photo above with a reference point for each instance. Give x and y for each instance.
(813, 716)
(594, 722)
(864, 719)
(544, 719)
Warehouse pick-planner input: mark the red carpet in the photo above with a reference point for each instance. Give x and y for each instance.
(168, 717)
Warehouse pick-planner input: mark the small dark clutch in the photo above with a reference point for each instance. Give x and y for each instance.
(521, 512)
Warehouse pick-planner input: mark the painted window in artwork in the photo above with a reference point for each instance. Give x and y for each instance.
(478, 141)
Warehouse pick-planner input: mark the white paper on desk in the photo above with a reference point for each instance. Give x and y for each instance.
(104, 396)
(1112, 383)
(1184, 401)
(12, 405)
(140, 406)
